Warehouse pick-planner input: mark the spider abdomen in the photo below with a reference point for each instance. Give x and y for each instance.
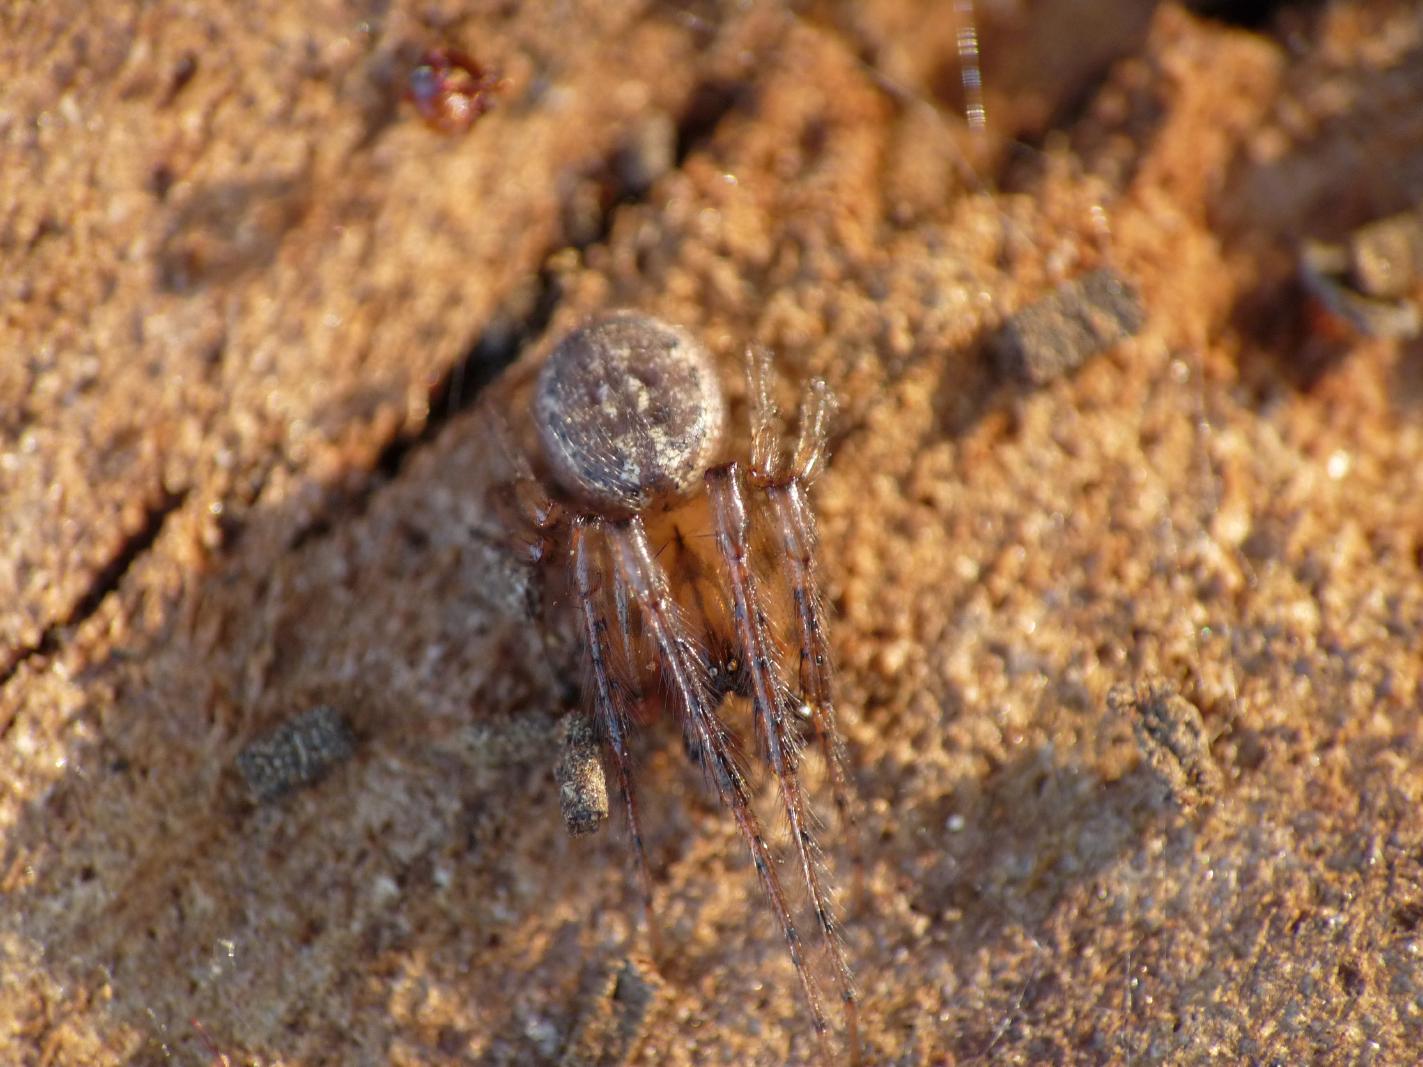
(629, 410)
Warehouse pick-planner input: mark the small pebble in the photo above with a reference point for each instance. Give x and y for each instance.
(1386, 256)
(1076, 321)
(1372, 280)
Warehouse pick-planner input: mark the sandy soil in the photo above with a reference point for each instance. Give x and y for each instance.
(249, 308)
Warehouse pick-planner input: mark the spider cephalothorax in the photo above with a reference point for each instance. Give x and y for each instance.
(630, 419)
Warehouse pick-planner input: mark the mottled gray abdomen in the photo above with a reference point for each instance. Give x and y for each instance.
(629, 409)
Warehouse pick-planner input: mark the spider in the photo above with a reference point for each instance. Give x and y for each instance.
(630, 418)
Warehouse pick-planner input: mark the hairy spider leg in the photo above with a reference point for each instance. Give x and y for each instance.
(685, 676)
(771, 698)
(613, 694)
(629, 632)
(529, 514)
(691, 578)
(608, 670)
(794, 525)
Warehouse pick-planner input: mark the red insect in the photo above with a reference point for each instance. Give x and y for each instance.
(450, 90)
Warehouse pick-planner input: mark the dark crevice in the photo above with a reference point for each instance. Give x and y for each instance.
(463, 382)
(456, 391)
(1250, 14)
(709, 103)
(523, 319)
(104, 582)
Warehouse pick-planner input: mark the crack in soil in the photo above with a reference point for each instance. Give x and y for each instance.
(105, 581)
(456, 391)
(511, 329)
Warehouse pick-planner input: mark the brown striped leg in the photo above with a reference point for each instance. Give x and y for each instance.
(794, 525)
(684, 674)
(689, 577)
(608, 683)
(795, 532)
(771, 700)
(529, 515)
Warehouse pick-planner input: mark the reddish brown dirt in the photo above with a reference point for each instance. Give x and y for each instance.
(240, 477)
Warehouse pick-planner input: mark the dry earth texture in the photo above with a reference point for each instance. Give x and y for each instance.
(249, 303)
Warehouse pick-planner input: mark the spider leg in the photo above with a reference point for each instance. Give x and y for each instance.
(612, 694)
(795, 530)
(529, 538)
(685, 677)
(794, 524)
(770, 700)
(688, 574)
(529, 515)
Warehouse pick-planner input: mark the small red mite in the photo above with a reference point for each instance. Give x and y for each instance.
(450, 90)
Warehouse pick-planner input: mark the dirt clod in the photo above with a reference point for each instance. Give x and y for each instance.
(296, 754)
(1172, 738)
(1058, 333)
(616, 1017)
(582, 784)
